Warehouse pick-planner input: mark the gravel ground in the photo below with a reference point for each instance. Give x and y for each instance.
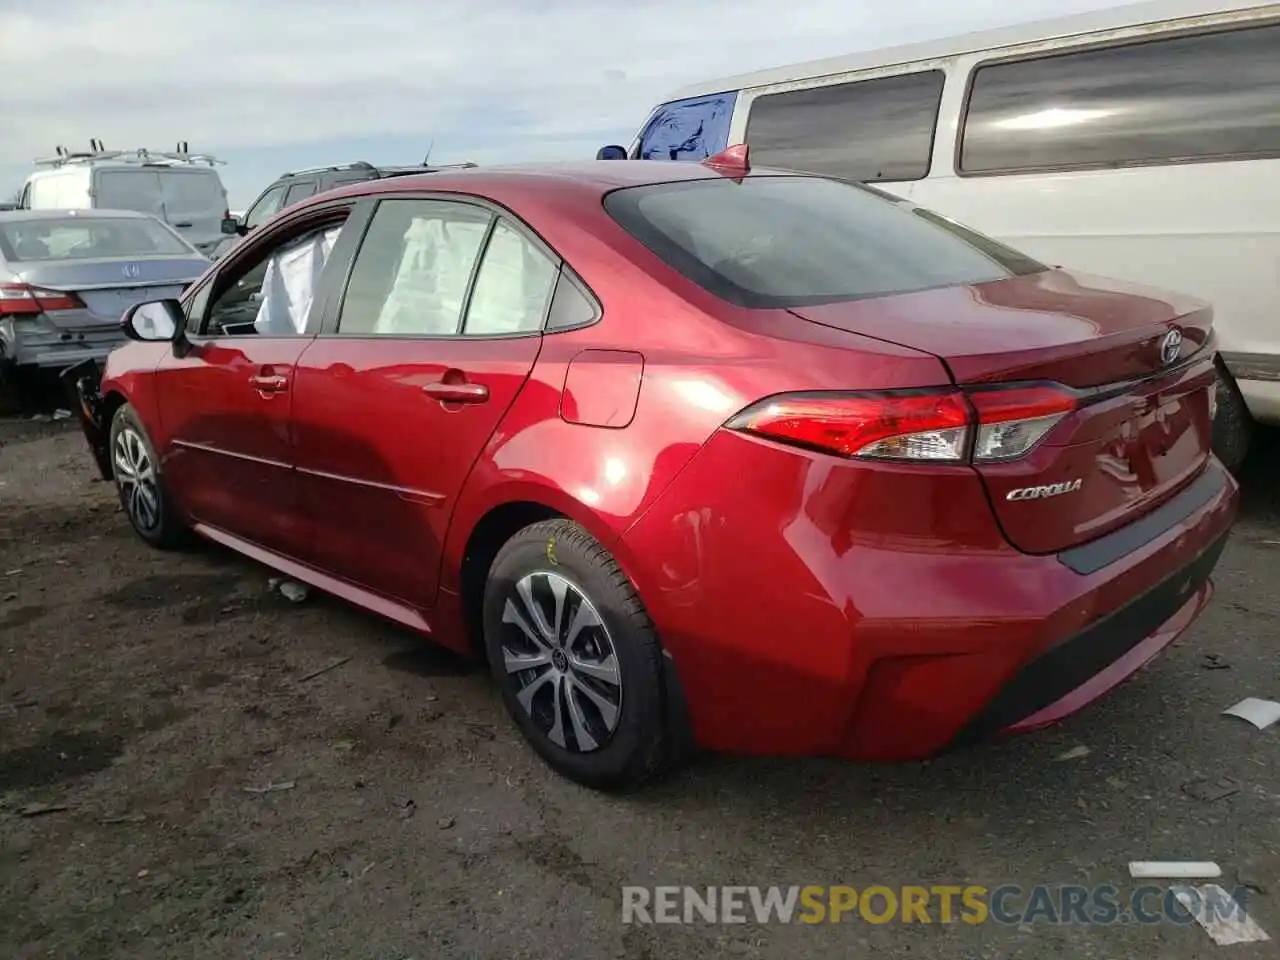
(147, 694)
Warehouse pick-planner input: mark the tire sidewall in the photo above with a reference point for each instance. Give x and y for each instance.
(1233, 425)
(11, 387)
(163, 532)
(639, 728)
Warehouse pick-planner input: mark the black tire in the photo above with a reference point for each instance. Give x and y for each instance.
(11, 389)
(1233, 424)
(158, 524)
(637, 746)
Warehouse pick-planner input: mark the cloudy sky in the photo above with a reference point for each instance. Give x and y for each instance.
(277, 84)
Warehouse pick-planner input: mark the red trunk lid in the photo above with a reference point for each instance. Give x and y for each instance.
(1143, 424)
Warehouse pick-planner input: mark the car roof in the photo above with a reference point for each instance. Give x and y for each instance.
(586, 178)
(9, 216)
(90, 165)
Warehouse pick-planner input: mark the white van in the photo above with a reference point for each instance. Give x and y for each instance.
(1141, 142)
(182, 189)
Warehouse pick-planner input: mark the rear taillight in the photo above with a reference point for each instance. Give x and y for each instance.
(19, 299)
(1012, 421)
(910, 426)
(949, 426)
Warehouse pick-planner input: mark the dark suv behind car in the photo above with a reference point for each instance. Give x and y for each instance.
(290, 188)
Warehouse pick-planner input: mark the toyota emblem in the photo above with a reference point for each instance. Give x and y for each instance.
(131, 271)
(1171, 346)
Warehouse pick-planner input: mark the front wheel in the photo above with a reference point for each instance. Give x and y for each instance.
(136, 469)
(576, 656)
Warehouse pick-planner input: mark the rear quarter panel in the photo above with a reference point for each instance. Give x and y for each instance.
(703, 360)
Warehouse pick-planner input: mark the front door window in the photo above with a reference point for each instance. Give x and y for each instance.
(265, 208)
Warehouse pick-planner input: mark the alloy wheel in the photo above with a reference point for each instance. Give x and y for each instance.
(136, 478)
(558, 652)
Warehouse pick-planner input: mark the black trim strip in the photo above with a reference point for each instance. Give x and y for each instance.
(207, 448)
(1070, 664)
(428, 497)
(1096, 554)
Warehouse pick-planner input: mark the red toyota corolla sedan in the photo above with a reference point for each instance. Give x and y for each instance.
(692, 454)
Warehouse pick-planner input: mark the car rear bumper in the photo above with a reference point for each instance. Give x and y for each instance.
(793, 636)
(49, 348)
(1082, 667)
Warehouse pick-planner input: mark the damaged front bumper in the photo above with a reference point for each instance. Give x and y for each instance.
(83, 383)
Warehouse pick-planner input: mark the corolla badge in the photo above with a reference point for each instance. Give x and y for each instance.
(1049, 490)
(1170, 346)
(131, 271)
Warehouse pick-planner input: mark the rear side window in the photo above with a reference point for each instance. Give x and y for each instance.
(1183, 98)
(792, 241)
(512, 287)
(413, 269)
(299, 191)
(880, 129)
(570, 305)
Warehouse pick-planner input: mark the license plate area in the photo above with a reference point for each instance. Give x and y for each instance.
(110, 305)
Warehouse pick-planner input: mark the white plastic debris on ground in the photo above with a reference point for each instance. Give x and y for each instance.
(1261, 713)
(1218, 912)
(1221, 916)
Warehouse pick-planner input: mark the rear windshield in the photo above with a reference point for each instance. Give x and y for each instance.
(76, 238)
(192, 193)
(128, 190)
(795, 241)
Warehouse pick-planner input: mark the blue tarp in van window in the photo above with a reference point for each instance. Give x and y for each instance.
(692, 129)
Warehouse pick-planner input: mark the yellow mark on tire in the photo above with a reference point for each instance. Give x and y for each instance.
(551, 552)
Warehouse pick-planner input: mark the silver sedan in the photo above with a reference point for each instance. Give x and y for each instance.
(67, 276)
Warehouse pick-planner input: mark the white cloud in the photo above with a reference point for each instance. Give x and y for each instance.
(541, 78)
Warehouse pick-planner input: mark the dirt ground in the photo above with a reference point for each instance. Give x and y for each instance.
(152, 698)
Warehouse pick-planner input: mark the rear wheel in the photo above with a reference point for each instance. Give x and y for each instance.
(11, 388)
(576, 656)
(1233, 424)
(138, 481)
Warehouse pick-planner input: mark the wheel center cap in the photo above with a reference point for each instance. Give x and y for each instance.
(559, 660)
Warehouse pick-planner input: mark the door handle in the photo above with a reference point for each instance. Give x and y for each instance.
(269, 383)
(457, 392)
(184, 225)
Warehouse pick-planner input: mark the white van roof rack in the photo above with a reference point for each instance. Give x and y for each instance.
(98, 153)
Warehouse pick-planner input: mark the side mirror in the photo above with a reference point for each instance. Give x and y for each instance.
(156, 321)
(230, 226)
(611, 152)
